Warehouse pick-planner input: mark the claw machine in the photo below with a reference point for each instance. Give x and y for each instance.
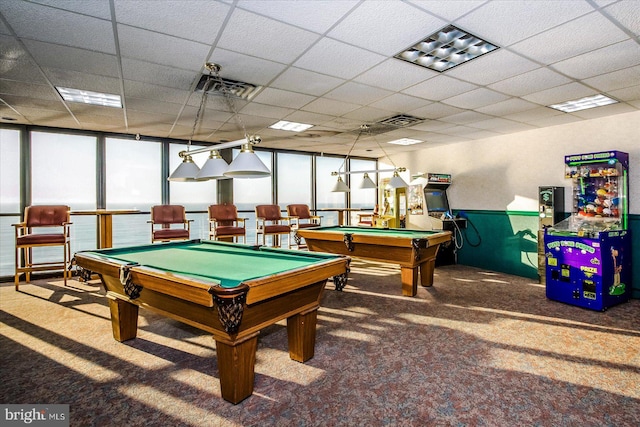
(589, 253)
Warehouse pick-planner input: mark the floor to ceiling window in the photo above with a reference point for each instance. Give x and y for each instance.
(9, 196)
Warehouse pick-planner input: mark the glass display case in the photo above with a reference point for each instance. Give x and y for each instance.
(588, 255)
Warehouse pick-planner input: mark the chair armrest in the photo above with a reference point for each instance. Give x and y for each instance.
(19, 225)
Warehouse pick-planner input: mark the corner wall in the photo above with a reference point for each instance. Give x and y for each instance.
(496, 180)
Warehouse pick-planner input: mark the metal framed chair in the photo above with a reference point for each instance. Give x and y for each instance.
(169, 222)
(270, 222)
(224, 223)
(43, 225)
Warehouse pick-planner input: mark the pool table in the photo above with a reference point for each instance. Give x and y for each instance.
(230, 290)
(414, 250)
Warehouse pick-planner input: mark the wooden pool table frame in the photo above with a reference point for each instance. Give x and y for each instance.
(415, 252)
(234, 316)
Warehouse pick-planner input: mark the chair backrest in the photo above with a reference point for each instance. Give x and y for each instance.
(268, 212)
(46, 215)
(225, 213)
(168, 214)
(301, 211)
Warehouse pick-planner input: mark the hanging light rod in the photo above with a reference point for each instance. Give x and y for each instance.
(369, 171)
(252, 140)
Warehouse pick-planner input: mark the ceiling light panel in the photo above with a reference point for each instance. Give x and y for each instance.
(445, 49)
(88, 97)
(405, 141)
(584, 103)
(290, 126)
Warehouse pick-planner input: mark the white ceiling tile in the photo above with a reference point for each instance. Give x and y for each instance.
(175, 52)
(507, 22)
(84, 81)
(373, 26)
(154, 92)
(152, 106)
(338, 59)
(530, 116)
(532, 81)
(466, 117)
(500, 125)
(432, 126)
(631, 93)
(21, 70)
(263, 110)
(439, 88)
(436, 110)
(491, 67)
(555, 120)
(559, 94)
(571, 39)
(11, 49)
(395, 74)
(26, 89)
(282, 98)
(510, 106)
(97, 8)
(64, 57)
(329, 106)
(245, 68)
(615, 80)
(449, 10)
(315, 15)
(303, 81)
(308, 117)
(363, 94)
(626, 13)
(399, 102)
(612, 58)
(53, 26)
(262, 37)
(187, 19)
(367, 114)
(156, 74)
(475, 98)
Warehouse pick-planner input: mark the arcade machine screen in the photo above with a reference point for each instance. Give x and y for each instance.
(437, 202)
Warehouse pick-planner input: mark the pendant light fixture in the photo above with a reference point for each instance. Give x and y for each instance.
(395, 182)
(246, 165)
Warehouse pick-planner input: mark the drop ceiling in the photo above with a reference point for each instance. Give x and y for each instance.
(326, 63)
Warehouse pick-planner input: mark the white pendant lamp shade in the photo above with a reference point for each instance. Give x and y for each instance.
(367, 182)
(340, 186)
(397, 182)
(214, 167)
(247, 165)
(187, 171)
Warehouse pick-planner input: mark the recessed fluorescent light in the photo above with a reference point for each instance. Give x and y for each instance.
(584, 103)
(405, 141)
(445, 49)
(88, 97)
(291, 126)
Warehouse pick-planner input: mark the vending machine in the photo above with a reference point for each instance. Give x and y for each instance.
(588, 254)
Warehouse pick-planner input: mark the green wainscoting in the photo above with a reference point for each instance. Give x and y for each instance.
(508, 242)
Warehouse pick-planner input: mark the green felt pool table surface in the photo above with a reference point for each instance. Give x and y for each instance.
(226, 264)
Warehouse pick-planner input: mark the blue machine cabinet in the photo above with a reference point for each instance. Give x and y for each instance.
(588, 255)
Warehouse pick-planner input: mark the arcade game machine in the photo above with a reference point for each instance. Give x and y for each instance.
(589, 253)
(428, 209)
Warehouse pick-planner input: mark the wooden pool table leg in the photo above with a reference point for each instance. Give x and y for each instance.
(301, 334)
(124, 319)
(236, 363)
(426, 272)
(409, 278)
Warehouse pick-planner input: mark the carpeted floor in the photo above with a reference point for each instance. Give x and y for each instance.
(477, 349)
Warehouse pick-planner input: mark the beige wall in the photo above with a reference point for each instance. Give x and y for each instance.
(504, 173)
